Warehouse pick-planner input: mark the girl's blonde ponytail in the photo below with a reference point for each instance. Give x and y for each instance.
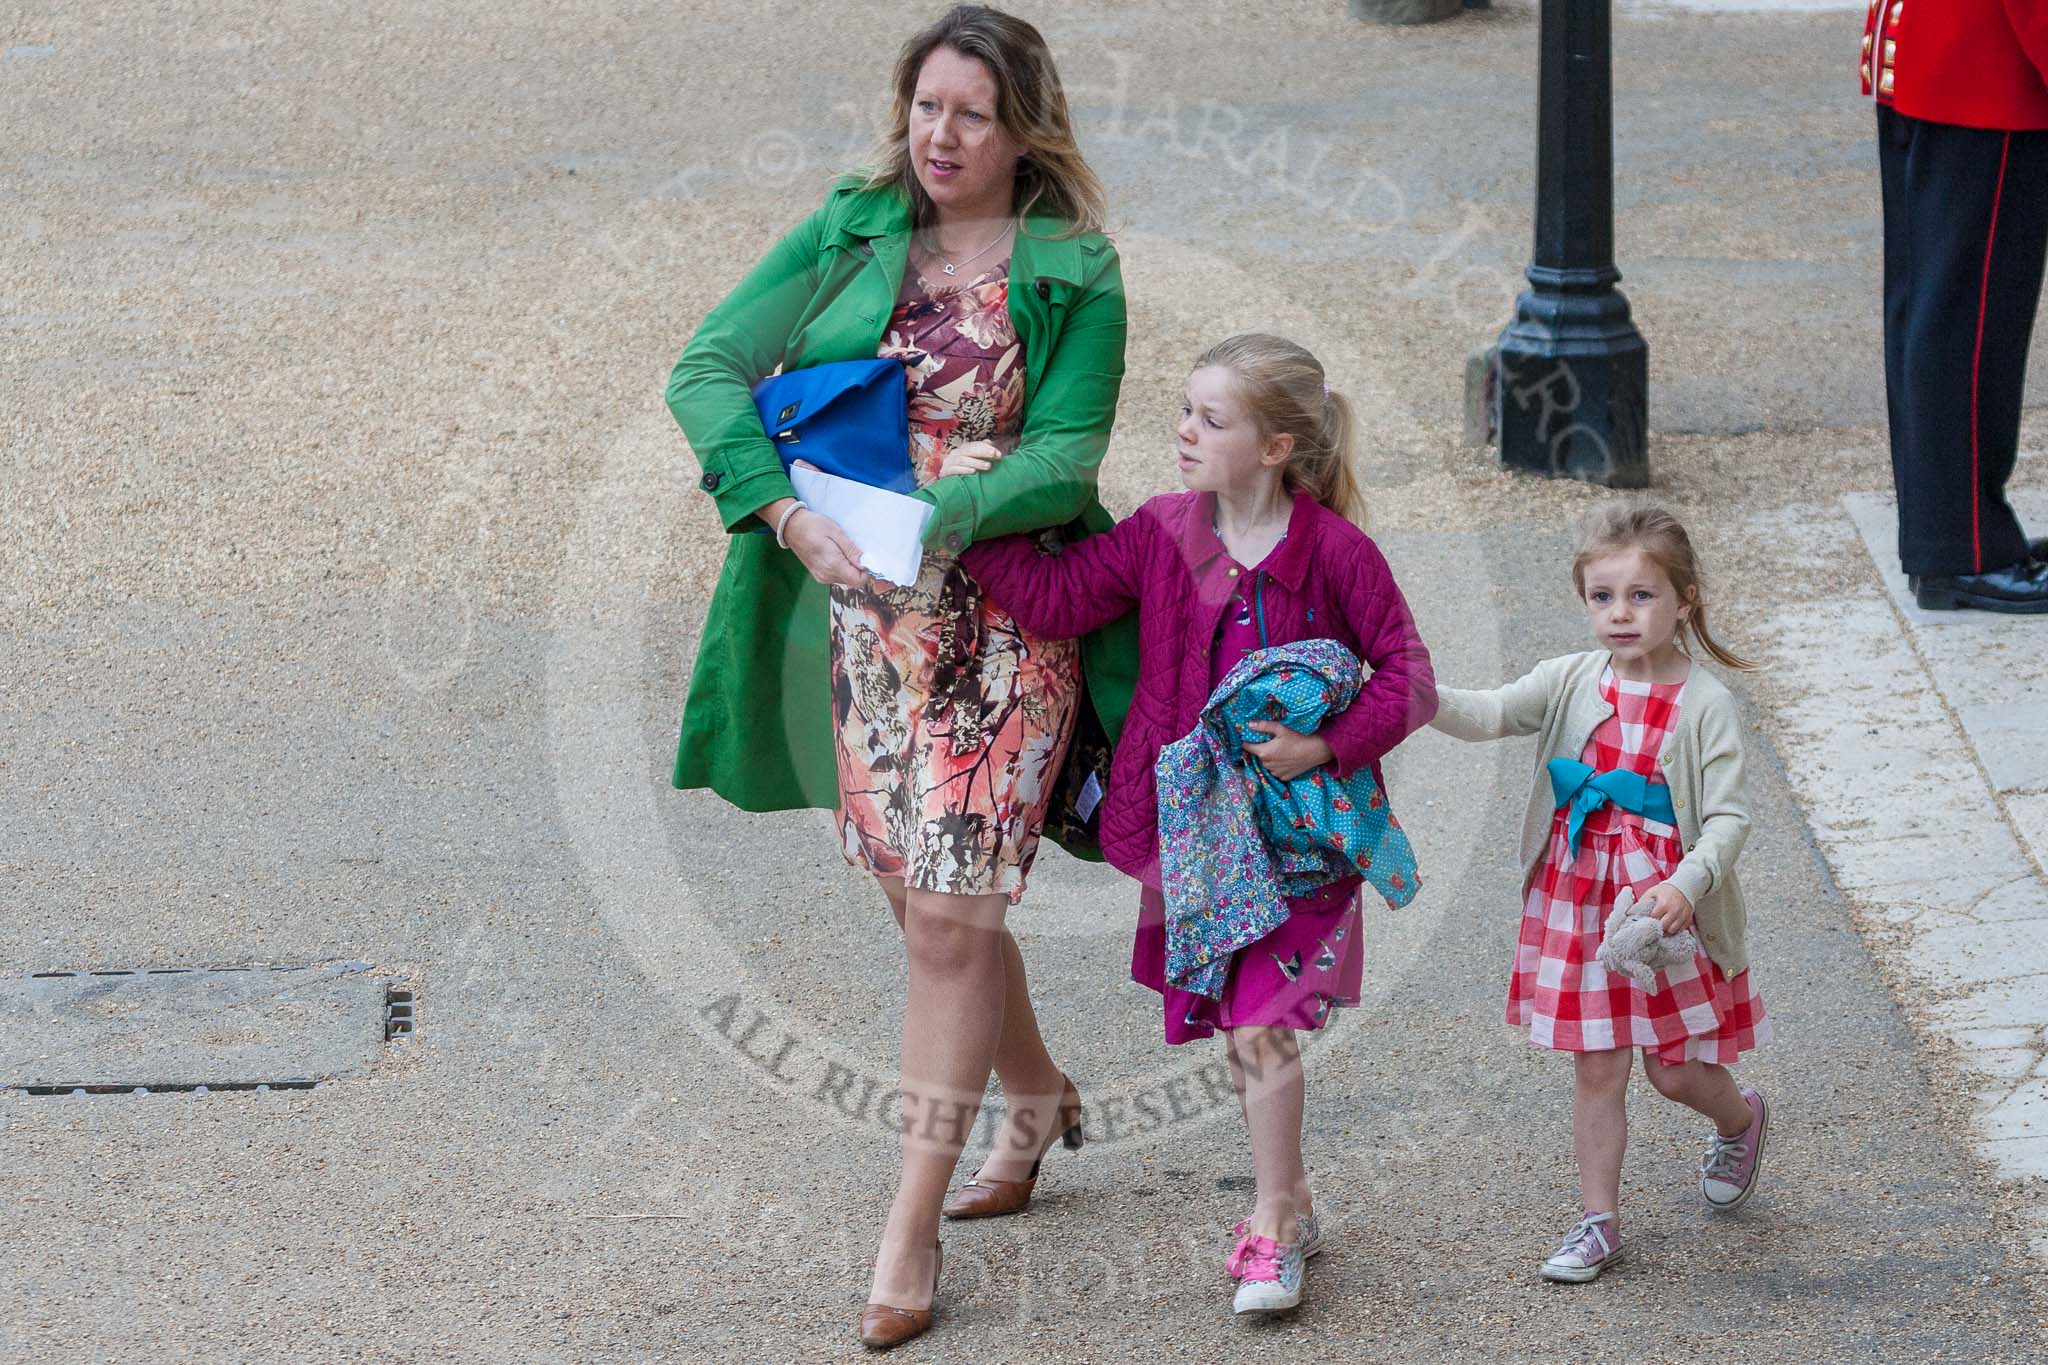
(1288, 394)
(1340, 490)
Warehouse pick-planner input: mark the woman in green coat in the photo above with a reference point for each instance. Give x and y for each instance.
(921, 713)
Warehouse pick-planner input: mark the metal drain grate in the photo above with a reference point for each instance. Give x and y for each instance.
(157, 971)
(400, 1012)
(190, 1030)
(192, 1088)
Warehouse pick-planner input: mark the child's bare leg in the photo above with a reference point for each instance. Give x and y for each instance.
(1600, 1125)
(1265, 1066)
(1705, 1087)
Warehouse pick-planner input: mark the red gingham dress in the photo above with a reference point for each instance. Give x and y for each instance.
(1558, 989)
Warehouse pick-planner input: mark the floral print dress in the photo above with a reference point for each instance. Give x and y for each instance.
(950, 722)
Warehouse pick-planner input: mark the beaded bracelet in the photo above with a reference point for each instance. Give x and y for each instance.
(782, 522)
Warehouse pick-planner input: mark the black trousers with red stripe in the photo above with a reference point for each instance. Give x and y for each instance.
(1965, 238)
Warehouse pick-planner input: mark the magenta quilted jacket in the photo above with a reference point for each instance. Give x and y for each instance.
(1326, 579)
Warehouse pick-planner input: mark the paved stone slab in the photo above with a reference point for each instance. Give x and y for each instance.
(2021, 1117)
(1913, 734)
(1970, 954)
(1987, 667)
(2012, 739)
(2029, 812)
(189, 1027)
(2018, 1003)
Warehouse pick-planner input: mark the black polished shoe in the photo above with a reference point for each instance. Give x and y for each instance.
(2037, 550)
(2021, 589)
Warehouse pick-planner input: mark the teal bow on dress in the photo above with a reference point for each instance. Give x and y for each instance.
(1576, 784)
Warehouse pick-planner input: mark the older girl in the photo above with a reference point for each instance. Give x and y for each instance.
(1263, 550)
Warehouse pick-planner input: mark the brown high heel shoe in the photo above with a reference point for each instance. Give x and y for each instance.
(883, 1327)
(980, 1198)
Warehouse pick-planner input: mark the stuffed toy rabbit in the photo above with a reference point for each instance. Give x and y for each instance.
(1635, 944)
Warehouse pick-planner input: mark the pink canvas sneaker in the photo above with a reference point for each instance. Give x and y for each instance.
(1269, 1275)
(1588, 1249)
(1729, 1170)
(1308, 1232)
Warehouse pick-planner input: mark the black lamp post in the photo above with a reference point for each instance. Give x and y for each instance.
(1571, 377)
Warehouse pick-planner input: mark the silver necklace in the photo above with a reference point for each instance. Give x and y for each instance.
(953, 267)
(1216, 522)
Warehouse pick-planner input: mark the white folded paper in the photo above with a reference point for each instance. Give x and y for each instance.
(888, 527)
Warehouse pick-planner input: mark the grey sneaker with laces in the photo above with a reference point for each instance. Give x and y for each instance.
(1729, 1170)
(1587, 1249)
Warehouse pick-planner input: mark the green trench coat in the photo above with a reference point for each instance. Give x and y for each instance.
(757, 725)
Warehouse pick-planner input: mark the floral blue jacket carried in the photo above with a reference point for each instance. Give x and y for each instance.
(1235, 841)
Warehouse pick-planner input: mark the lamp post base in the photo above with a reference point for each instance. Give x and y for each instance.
(1405, 11)
(1571, 382)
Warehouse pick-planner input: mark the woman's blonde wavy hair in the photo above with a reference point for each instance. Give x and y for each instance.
(1287, 392)
(1053, 177)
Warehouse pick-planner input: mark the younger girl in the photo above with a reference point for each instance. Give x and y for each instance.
(1639, 704)
(1262, 550)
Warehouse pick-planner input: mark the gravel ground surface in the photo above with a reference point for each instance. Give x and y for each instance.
(351, 571)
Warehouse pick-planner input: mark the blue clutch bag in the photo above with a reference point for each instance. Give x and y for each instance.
(849, 417)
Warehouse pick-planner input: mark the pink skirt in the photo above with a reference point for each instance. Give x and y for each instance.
(1292, 978)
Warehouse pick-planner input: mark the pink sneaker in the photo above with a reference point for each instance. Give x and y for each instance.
(1308, 1232)
(1268, 1273)
(1589, 1248)
(1729, 1170)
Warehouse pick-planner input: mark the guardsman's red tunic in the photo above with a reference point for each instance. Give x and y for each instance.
(1977, 63)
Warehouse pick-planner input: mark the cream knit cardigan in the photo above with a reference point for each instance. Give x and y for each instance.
(1559, 701)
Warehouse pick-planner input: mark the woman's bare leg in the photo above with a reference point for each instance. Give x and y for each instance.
(892, 887)
(1032, 1082)
(952, 1018)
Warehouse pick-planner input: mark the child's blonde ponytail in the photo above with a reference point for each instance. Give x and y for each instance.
(1288, 394)
(1332, 479)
